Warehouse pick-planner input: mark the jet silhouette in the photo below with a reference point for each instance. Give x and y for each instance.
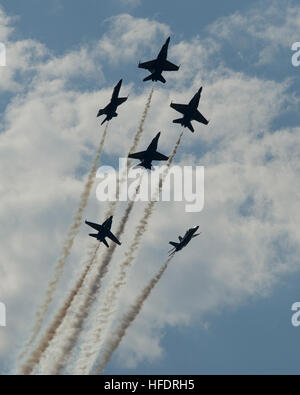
(190, 112)
(184, 241)
(158, 65)
(115, 102)
(103, 231)
(146, 157)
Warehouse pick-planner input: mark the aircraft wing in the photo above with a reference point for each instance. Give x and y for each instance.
(94, 226)
(102, 111)
(121, 100)
(180, 107)
(200, 118)
(158, 156)
(113, 238)
(148, 65)
(107, 224)
(170, 66)
(138, 155)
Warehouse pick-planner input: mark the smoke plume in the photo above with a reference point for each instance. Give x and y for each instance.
(136, 140)
(127, 320)
(75, 326)
(103, 269)
(102, 320)
(43, 344)
(77, 322)
(77, 220)
(86, 351)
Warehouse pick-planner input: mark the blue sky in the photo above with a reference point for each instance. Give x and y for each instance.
(256, 338)
(238, 319)
(78, 22)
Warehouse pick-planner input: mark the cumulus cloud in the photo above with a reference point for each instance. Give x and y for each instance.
(249, 239)
(130, 37)
(5, 25)
(271, 27)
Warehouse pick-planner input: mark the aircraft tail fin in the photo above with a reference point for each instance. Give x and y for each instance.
(161, 79)
(173, 244)
(143, 165)
(105, 243)
(190, 126)
(174, 249)
(95, 235)
(100, 112)
(198, 234)
(149, 78)
(106, 119)
(155, 77)
(179, 120)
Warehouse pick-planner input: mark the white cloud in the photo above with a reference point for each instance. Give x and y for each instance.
(129, 37)
(272, 26)
(5, 25)
(80, 63)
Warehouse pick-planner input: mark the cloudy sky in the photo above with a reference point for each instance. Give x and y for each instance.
(224, 305)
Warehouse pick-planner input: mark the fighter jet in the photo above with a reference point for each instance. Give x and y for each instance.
(146, 157)
(190, 112)
(184, 241)
(103, 231)
(158, 65)
(115, 102)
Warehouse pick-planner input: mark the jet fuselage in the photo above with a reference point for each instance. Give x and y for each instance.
(151, 154)
(111, 109)
(191, 109)
(104, 231)
(184, 241)
(161, 60)
(158, 65)
(188, 237)
(190, 112)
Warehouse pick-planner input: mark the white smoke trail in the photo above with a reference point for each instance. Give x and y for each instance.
(85, 349)
(77, 220)
(79, 318)
(140, 130)
(103, 317)
(75, 326)
(136, 140)
(35, 356)
(127, 320)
